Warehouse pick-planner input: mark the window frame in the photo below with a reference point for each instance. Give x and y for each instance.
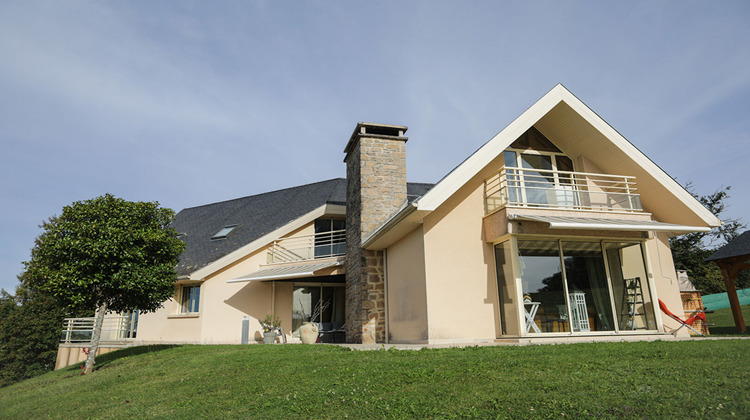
(510, 243)
(191, 300)
(520, 178)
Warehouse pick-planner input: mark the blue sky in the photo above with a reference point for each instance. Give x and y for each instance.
(188, 103)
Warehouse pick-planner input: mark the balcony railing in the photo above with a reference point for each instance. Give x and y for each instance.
(308, 247)
(561, 190)
(114, 328)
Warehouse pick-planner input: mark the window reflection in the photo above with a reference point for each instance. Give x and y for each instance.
(578, 295)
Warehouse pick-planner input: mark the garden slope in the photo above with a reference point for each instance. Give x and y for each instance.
(644, 379)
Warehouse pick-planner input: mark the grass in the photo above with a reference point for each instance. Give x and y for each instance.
(704, 378)
(724, 321)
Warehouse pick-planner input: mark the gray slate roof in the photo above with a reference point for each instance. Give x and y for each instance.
(255, 215)
(736, 247)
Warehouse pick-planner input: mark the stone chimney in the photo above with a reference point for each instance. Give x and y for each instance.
(376, 188)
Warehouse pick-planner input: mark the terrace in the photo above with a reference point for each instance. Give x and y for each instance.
(564, 190)
(308, 247)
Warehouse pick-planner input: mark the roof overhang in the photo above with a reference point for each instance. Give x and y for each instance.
(406, 219)
(591, 223)
(325, 209)
(287, 272)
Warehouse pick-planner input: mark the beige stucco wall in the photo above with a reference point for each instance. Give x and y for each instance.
(459, 261)
(223, 305)
(665, 282)
(68, 355)
(407, 298)
(460, 268)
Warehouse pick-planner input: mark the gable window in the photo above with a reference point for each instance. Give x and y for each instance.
(224, 232)
(190, 299)
(538, 173)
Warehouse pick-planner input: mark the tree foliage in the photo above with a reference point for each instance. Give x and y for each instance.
(107, 254)
(689, 251)
(29, 334)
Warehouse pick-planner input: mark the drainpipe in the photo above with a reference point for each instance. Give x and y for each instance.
(385, 292)
(273, 298)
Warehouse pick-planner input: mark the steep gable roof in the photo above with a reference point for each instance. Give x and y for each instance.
(559, 114)
(255, 216)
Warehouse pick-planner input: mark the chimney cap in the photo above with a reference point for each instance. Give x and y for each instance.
(364, 129)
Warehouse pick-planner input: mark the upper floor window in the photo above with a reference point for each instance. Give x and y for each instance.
(330, 237)
(538, 173)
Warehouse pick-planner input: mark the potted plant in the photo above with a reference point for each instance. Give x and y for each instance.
(270, 325)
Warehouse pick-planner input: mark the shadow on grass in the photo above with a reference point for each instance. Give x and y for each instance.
(726, 331)
(105, 359)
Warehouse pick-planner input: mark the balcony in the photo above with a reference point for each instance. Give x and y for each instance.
(538, 188)
(308, 247)
(115, 328)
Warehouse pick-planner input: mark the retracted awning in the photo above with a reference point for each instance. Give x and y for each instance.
(591, 223)
(289, 272)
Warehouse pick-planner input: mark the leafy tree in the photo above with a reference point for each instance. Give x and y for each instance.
(689, 251)
(29, 334)
(106, 254)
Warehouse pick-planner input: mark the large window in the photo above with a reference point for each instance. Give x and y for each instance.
(538, 173)
(579, 286)
(323, 305)
(635, 307)
(539, 178)
(190, 297)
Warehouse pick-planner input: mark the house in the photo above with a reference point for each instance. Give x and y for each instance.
(557, 227)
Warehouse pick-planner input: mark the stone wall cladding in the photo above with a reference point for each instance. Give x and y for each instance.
(376, 188)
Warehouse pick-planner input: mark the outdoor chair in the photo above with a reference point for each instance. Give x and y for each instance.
(686, 323)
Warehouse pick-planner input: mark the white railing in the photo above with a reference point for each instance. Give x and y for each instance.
(561, 190)
(308, 247)
(114, 328)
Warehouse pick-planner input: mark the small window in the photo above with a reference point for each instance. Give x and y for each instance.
(224, 232)
(190, 299)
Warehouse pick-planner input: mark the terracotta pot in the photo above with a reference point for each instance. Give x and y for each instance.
(308, 333)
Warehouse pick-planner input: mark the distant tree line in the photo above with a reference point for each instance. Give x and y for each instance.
(30, 324)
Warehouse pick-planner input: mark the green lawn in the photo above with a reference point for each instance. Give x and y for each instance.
(724, 321)
(700, 378)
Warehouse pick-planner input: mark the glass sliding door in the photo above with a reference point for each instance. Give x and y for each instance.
(537, 178)
(323, 305)
(590, 303)
(634, 305)
(575, 286)
(542, 287)
(304, 299)
(540, 179)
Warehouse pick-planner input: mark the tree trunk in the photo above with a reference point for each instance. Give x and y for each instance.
(95, 336)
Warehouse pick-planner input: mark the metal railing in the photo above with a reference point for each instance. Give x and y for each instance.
(561, 190)
(308, 247)
(114, 328)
